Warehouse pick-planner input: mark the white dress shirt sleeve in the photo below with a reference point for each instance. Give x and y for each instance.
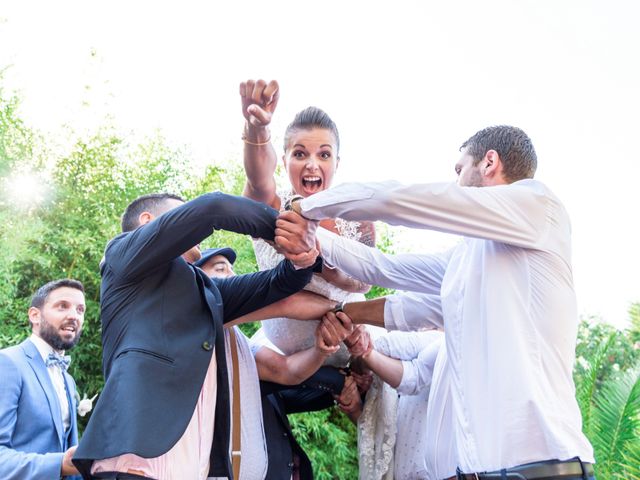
(418, 352)
(407, 271)
(408, 311)
(514, 214)
(417, 373)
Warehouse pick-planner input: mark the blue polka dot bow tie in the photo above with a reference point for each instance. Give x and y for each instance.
(61, 361)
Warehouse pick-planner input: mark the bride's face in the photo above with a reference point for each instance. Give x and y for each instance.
(311, 160)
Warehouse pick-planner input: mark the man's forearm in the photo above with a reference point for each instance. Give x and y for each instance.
(302, 365)
(390, 370)
(243, 294)
(301, 306)
(288, 370)
(341, 280)
(370, 312)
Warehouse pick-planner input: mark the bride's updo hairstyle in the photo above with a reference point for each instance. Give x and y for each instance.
(308, 119)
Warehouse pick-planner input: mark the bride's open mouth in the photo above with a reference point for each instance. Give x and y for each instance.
(312, 183)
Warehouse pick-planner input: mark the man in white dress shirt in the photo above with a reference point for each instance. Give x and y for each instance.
(38, 428)
(508, 304)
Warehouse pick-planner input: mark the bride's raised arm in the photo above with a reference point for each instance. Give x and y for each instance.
(259, 100)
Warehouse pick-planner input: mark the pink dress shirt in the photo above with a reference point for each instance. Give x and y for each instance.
(189, 457)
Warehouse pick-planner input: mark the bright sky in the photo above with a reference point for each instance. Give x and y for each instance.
(406, 82)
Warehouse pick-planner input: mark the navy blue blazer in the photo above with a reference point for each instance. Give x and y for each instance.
(32, 436)
(161, 319)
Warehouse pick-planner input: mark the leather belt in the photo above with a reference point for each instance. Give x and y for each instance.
(533, 471)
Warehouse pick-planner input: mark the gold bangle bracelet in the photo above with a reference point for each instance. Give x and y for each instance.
(248, 142)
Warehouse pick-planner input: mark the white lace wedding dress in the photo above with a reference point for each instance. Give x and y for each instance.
(291, 335)
(377, 425)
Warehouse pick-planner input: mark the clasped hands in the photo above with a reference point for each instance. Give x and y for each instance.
(338, 327)
(295, 238)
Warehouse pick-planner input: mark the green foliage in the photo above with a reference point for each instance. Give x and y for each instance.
(617, 424)
(631, 458)
(17, 227)
(16, 141)
(621, 355)
(329, 438)
(608, 391)
(384, 243)
(587, 380)
(66, 236)
(634, 329)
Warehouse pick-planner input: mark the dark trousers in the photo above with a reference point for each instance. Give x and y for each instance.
(287, 459)
(315, 393)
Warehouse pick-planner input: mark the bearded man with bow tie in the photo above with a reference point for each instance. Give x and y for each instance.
(38, 429)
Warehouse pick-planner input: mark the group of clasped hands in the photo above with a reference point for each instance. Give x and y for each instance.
(295, 238)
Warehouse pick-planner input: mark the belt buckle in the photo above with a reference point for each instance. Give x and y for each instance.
(463, 476)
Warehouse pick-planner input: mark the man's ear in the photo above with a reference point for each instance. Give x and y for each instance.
(492, 167)
(34, 316)
(145, 217)
(284, 162)
(337, 161)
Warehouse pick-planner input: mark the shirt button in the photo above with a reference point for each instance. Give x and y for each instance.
(207, 346)
(284, 434)
(290, 464)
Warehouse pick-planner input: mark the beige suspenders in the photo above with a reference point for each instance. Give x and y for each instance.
(236, 447)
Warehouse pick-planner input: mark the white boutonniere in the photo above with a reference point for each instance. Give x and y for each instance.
(85, 405)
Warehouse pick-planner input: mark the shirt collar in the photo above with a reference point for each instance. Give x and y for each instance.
(43, 347)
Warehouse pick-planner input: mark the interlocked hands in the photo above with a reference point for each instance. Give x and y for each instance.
(338, 327)
(295, 237)
(331, 331)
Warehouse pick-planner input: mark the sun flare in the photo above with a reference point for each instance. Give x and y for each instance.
(25, 189)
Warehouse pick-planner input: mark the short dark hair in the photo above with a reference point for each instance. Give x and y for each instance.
(40, 297)
(516, 151)
(144, 203)
(309, 118)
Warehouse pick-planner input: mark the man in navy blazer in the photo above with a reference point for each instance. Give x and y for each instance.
(162, 322)
(38, 430)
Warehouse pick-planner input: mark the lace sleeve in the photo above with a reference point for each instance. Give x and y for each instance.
(367, 234)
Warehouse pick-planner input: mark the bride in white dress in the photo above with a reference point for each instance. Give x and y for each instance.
(311, 157)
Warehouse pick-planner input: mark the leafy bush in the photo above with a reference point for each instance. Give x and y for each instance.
(607, 376)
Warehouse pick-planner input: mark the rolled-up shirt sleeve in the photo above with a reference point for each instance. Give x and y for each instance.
(418, 353)
(408, 311)
(417, 373)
